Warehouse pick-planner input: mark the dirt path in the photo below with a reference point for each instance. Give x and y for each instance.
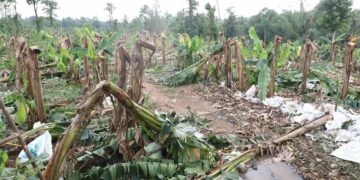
(183, 98)
(178, 99)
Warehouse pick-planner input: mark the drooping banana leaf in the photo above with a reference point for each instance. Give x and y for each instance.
(186, 76)
(146, 168)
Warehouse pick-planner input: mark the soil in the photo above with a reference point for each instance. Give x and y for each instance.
(252, 123)
(183, 100)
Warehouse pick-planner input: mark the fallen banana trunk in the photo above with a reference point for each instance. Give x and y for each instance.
(248, 155)
(29, 134)
(52, 170)
(186, 76)
(148, 121)
(5, 79)
(330, 75)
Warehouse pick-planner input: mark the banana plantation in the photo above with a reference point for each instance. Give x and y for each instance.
(153, 102)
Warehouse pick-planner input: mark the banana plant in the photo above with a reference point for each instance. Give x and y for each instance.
(190, 50)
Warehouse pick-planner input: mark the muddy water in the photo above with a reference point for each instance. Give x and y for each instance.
(267, 170)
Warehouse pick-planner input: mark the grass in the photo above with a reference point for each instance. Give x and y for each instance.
(57, 89)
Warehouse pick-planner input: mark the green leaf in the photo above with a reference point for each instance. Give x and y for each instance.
(263, 79)
(253, 35)
(60, 66)
(79, 51)
(165, 133)
(217, 142)
(151, 171)
(144, 168)
(21, 113)
(65, 52)
(109, 42)
(91, 51)
(152, 148)
(3, 159)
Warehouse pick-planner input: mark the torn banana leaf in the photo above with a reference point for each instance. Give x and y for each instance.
(186, 76)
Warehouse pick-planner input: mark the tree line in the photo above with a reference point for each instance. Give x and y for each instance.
(328, 17)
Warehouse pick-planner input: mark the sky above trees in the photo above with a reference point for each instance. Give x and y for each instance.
(95, 8)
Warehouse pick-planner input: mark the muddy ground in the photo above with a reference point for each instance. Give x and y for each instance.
(245, 123)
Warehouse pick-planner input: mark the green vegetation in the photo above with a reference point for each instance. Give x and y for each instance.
(83, 75)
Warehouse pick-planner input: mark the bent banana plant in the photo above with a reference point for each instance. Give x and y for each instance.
(53, 169)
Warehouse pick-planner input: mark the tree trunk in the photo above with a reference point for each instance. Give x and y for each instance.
(163, 40)
(123, 57)
(36, 88)
(104, 68)
(277, 43)
(218, 66)
(51, 20)
(20, 65)
(243, 41)
(333, 49)
(86, 64)
(333, 53)
(228, 72)
(155, 40)
(306, 57)
(240, 68)
(36, 17)
(348, 58)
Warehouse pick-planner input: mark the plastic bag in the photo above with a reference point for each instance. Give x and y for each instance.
(39, 146)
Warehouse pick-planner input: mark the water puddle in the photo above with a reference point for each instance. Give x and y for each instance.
(268, 170)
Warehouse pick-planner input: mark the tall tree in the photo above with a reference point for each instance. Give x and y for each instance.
(35, 4)
(211, 27)
(5, 7)
(355, 22)
(191, 21)
(10, 21)
(230, 24)
(49, 7)
(110, 8)
(150, 19)
(268, 24)
(333, 15)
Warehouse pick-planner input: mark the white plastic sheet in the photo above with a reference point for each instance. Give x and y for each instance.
(275, 101)
(40, 145)
(307, 113)
(349, 152)
(290, 107)
(250, 93)
(238, 95)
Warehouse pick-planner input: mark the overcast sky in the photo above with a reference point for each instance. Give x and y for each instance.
(131, 8)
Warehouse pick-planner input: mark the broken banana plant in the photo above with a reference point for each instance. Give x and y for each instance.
(189, 74)
(183, 148)
(137, 67)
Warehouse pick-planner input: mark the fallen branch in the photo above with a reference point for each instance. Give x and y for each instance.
(246, 156)
(8, 139)
(28, 134)
(47, 66)
(303, 129)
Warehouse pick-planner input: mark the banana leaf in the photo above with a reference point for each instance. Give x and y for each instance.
(186, 76)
